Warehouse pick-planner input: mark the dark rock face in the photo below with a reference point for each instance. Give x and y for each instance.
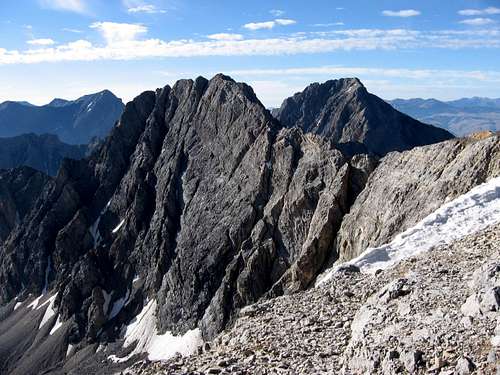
(343, 111)
(74, 122)
(19, 190)
(408, 186)
(44, 152)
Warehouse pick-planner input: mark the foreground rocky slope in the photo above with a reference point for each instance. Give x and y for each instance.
(42, 152)
(344, 111)
(429, 314)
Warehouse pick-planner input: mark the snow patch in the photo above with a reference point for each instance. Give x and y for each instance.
(50, 312)
(70, 350)
(119, 226)
(118, 305)
(465, 215)
(36, 301)
(56, 326)
(17, 305)
(142, 330)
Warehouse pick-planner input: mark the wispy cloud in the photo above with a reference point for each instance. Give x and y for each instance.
(41, 42)
(78, 6)
(269, 24)
(74, 31)
(379, 72)
(478, 21)
(123, 42)
(225, 36)
(146, 8)
(402, 13)
(328, 24)
(114, 32)
(277, 12)
(479, 12)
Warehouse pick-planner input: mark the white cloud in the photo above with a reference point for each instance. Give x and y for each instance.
(123, 43)
(77, 6)
(146, 8)
(225, 36)
(41, 42)
(259, 25)
(402, 13)
(343, 71)
(74, 31)
(477, 21)
(328, 24)
(285, 22)
(277, 12)
(114, 32)
(479, 12)
(269, 24)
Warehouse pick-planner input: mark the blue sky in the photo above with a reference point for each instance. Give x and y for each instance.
(399, 48)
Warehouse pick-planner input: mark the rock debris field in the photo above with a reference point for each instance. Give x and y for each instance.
(438, 313)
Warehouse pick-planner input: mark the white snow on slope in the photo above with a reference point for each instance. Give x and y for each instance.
(465, 215)
(143, 331)
(50, 312)
(56, 326)
(119, 226)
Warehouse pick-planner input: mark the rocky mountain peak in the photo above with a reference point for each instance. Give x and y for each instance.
(357, 121)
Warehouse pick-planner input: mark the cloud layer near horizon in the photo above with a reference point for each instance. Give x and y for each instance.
(123, 41)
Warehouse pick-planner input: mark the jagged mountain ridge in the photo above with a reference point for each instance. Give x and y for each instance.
(42, 152)
(75, 122)
(201, 194)
(345, 112)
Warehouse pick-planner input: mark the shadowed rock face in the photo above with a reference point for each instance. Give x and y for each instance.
(42, 152)
(343, 111)
(19, 190)
(200, 193)
(408, 186)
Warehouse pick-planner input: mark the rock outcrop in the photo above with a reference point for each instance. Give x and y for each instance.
(42, 152)
(359, 122)
(19, 190)
(407, 186)
(73, 121)
(404, 320)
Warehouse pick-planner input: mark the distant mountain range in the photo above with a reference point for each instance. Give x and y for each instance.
(461, 117)
(74, 122)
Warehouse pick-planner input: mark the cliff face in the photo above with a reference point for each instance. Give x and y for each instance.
(345, 112)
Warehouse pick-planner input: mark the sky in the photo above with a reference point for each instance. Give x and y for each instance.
(398, 48)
